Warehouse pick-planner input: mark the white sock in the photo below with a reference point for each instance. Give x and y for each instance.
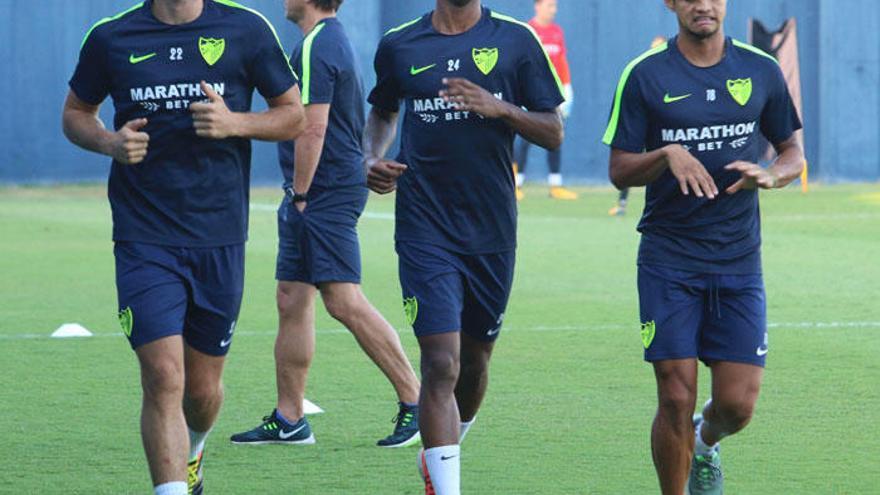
(171, 488)
(444, 466)
(700, 447)
(465, 426)
(555, 180)
(196, 443)
(520, 180)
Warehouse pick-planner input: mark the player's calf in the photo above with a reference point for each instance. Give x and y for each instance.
(163, 428)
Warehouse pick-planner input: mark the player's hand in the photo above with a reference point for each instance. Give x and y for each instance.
(691, 174)
(213, 119)
(470, 97)
(382, 175)
(129, 145)
(753, 176)
(301, 206)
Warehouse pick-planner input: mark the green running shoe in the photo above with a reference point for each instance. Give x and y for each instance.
(273, 430)
(706, 477)
(406, 428)
(195, 479)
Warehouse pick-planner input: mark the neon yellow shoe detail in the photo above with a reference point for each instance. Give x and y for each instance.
(194, 478)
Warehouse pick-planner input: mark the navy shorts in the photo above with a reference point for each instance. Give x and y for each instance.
(707, 316)
(194, 292)
(320, 244)
(444, 291)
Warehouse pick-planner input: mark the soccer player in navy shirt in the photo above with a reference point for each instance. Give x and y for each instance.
(318, 247)
(470, 79)
(181, 74)
(687, 121)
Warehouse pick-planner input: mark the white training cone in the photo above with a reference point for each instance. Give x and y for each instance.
(310, 407)
(71, 330)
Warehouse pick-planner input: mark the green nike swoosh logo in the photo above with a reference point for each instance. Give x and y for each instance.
(136, 60)
(673, 99)
(414, 72)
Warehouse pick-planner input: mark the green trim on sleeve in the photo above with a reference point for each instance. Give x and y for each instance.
(611, 131)
(746, 46)
(230, 3)
(403, 26)
(108, 19)
(502, 17)
(307, 63)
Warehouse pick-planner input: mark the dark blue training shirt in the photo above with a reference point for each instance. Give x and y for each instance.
(188, 191)
(458, 192)
(329, 74)
(717, 113)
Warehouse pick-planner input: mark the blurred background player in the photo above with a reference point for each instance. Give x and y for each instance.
(179, 190)
(493, 81)
(553, 40)
(318, 248)
(619, 209)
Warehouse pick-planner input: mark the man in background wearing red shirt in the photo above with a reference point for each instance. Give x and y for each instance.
(554, 43)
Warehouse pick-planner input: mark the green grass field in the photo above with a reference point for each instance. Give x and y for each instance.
(570, 403)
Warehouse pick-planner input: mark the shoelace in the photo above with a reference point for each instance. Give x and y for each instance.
(708, 473)
(403, 418)
(269, 422)
(192, 474)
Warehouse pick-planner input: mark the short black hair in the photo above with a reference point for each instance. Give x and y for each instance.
(327, 5)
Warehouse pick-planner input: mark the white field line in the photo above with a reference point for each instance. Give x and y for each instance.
(797, 217)
(810, 325)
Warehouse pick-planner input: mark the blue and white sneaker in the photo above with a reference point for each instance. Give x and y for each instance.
(406, 428)
(275, 430)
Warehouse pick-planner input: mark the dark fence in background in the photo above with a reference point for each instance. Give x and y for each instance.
(839, 48)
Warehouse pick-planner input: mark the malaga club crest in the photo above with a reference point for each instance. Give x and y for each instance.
(411, 309)
(649, 329)
(740, 90)
(126, 321)
(485, 58)
(212, 49)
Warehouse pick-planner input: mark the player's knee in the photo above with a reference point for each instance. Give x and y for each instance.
(342, 307)
(345, 307)
(735, 414)
(285, 301)
(676, 402)
(204, 393)
(163, 380)
(474, 369)
(440, 368)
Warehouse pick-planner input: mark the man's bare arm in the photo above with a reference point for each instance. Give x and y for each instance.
(84, 128)
(379, 133)
(309, 146)
(542, 128)
(627, 169)
(787, 167)
(282, 121)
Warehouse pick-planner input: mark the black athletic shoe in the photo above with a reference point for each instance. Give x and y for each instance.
(406, 429)
(272, 430)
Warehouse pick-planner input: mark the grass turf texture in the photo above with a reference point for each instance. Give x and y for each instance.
(570, 402)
